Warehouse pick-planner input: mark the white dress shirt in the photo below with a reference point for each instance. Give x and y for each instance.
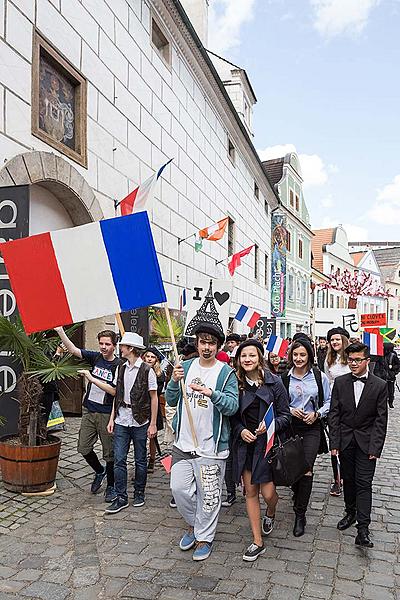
(359, 387)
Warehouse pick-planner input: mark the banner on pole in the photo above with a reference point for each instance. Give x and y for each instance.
(278, 265)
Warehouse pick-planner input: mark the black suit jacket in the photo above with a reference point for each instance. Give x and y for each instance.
(367, 422)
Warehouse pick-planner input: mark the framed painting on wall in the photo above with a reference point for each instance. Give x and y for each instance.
(58, 101)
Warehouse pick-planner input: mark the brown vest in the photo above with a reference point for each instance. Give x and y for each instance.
(139, 394)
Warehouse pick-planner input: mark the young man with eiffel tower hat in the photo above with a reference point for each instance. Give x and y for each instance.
(202, 431)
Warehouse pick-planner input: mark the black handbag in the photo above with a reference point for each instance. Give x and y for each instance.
(288, 461)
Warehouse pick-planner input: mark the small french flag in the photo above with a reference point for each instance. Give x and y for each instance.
(277, 345)
(269, 420)
(247, 315)
(182, 300)
(374, 341)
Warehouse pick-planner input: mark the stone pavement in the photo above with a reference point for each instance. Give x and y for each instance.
(64, 548)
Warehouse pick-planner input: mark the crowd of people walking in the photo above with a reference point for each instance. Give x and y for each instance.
(332, 398)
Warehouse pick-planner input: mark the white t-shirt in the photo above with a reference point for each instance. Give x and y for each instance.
(335, 370)
(202, 411)
(125, 416)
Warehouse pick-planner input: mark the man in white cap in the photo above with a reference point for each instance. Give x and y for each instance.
(133, 418)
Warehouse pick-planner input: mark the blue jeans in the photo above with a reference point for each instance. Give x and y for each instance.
(122, 440)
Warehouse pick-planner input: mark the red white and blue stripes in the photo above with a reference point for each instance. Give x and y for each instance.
(247, 316)
(85, 272)
(277, 345)
(269, 420)
(140, 198)
(374, 341)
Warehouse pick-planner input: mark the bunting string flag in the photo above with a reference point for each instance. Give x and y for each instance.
(269, 420)
(213, 233)
(277, 345)
(82, 273)
(235, 260)
(141, 197)
(247, 316)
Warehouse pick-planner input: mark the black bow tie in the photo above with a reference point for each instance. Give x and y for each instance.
(362, 379)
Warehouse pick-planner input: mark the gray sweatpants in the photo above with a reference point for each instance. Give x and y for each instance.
(196, 485)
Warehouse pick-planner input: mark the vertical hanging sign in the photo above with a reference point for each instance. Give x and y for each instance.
(278, 265)
(14, 224)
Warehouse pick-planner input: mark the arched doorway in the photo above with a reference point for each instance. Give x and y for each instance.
(60, 197)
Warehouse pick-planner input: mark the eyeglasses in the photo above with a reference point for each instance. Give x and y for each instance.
(355, 361)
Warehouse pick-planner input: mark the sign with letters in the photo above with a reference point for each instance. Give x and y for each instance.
(264, 328)
(208, 300)
(137, 321)
(326, 318)
(278, 265)
(14, 224)
(373, 320)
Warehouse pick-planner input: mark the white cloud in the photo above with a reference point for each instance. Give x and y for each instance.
(334, 17)
(355, 233)
(226, 18)
(386, 209)
(314, 171)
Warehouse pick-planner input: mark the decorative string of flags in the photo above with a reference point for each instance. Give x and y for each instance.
(141, 197)
(269, 420)
(374, 341)
(277, 345)
(82, 272)
(247, 316)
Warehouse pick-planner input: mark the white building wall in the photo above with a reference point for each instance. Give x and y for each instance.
(140, 114)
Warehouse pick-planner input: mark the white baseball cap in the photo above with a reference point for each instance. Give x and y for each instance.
(132, 339)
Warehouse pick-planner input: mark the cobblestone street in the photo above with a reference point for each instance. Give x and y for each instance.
(63, 547)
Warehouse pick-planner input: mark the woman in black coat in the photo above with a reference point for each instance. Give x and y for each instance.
(258, 388)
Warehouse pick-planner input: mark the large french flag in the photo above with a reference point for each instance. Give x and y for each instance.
(374, 341)
(140, 198)
(84, 272)
(277, 345)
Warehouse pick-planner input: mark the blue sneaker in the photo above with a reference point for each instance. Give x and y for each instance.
(203, 550)
(187, 541)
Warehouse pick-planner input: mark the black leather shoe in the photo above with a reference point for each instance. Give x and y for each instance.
(299, 525)
(348, 520)
(363, 539)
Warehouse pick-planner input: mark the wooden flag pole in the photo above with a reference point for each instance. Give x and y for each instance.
(120, 323)
(184, 394)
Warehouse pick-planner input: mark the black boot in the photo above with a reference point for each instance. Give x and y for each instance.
(294, 489)
(304, 487)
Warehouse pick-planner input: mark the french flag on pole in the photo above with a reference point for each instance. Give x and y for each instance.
(277, 345)
(139, 199)
(247, 315)
(374, 341)
(269, 420)
(82, 273)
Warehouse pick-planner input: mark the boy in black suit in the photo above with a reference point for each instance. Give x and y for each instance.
(357, 429)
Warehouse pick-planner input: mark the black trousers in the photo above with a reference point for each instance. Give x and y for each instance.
(390, 388)
(229, 481)
(357, 474)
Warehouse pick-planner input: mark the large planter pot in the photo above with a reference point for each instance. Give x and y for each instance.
(29, 468)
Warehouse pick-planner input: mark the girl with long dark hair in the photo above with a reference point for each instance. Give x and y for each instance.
(309, 397)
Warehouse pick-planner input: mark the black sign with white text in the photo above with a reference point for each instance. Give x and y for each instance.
(14, 224)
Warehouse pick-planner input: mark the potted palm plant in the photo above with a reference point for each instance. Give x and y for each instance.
(29, 459)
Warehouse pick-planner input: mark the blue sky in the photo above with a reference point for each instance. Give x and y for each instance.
(326, 76)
